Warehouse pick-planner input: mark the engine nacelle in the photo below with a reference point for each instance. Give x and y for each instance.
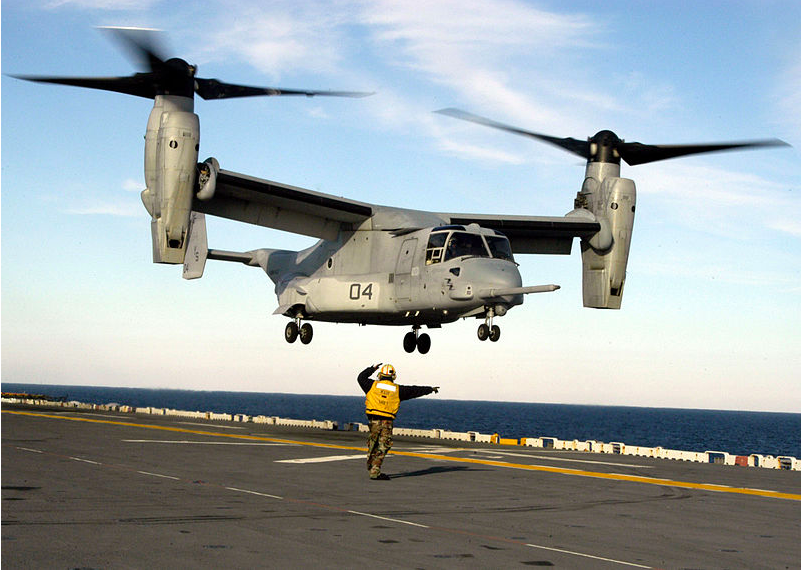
(171, 149)
(604, 260)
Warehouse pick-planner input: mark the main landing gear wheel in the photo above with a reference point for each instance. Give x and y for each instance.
(293, 330)
(306, 333)
(483, 331)
(494, 335)
(412, 340)
(423, 343)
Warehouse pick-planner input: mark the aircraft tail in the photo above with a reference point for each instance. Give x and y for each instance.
(197, 249)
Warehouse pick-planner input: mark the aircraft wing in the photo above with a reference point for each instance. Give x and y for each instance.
(281, 206)
(533, 234)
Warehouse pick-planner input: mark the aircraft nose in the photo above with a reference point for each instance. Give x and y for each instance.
(493, 274)
(497, 276)
(476, 275)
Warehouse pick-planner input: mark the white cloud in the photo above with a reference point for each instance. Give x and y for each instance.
(476, 47)
(478, 152)
(471, 28)
(702, 267)
(140, 5)
(790, 226)
(714, 186)
(789, 91)
(129, 210)
(719, 200)
(277, 38)
(317, 112)
(131, 185)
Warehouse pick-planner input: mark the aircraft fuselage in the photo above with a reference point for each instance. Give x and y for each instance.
(425, 277)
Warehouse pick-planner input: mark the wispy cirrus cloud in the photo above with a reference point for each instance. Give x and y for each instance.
(116, 5)
(481, 51)
(788, 225)
(131, 185)
(124, 210)
(281, 37)
(124, 207)
(729, 202)
(788, 91)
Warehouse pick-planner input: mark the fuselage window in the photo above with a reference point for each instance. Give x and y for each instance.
(436, 245)
(464, 244)
(499, 247)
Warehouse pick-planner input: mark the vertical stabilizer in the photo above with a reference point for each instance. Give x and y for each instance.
(197, 249)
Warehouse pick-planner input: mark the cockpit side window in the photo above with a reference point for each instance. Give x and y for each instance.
(436, 247)
(465, 244)
(499, 247)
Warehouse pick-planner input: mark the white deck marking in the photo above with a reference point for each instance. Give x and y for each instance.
(84, 460)
(186, 441)
(90, 414)
(31, 450)
(209, 425)
(388, 519)
(159, 475)
(323, 459)
(429, 449)
(255, 493)
(548, 458)
(583, 555)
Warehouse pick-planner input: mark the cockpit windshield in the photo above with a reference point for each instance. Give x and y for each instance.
(446, 243)
(464, 244)
(500, 248)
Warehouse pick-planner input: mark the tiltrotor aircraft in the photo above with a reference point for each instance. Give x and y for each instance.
(373, 264)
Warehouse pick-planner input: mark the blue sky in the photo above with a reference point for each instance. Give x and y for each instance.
(711, 311)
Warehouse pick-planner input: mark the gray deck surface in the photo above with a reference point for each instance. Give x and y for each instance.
(89, 494)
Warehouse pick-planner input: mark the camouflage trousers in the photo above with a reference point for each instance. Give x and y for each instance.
(378, 444)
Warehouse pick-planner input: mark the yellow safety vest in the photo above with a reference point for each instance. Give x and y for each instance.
(383, 399)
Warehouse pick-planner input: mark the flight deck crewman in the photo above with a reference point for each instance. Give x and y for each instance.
(381, 404)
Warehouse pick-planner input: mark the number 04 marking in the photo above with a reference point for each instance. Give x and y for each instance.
(357, 291)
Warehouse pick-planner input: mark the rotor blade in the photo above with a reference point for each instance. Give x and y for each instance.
(140, 84)
(581, 148)
(637, 153)
(215, 89)
(143, 45)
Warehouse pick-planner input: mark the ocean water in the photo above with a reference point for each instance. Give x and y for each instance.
(739, 433)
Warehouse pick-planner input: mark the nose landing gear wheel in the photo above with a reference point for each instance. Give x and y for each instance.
(306, 333)
(487, 330)
(291, 332)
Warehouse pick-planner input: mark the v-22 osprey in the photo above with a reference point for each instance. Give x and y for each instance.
(372, 265)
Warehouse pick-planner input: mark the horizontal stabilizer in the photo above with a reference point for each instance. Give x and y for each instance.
(235, 256)
(500, 292)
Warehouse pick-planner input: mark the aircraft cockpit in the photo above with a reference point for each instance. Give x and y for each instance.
(455, 241)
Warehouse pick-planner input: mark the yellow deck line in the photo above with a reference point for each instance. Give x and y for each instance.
(490, 462)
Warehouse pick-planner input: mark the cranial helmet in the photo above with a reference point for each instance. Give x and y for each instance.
(387, 372)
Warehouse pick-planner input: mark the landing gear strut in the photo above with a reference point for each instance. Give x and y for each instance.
(294, 330)
(487, 330)
(412, 340)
